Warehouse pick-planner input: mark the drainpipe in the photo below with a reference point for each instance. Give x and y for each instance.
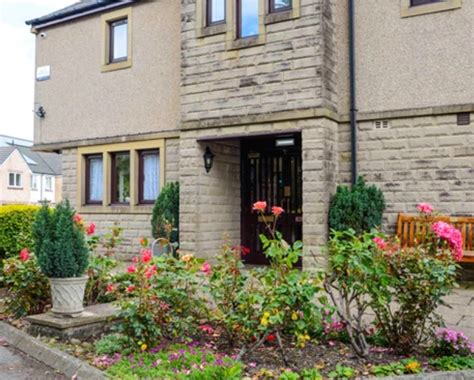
(353, 109)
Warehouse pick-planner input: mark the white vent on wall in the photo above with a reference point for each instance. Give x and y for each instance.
(381, 124)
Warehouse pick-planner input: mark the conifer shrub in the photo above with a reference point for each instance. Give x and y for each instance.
(359, 208)
(59, 242)
(165, 218)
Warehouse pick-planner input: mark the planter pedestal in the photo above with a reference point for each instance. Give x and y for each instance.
(68, 296)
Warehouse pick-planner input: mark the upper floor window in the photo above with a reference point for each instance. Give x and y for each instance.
(121, 178)
(149, 175)
(34, 182)
(118, 35)
(215, 12)
(279, 5)
(414, 3)
(247, 18)
(48, 183)
(14, 179)
(94, 179)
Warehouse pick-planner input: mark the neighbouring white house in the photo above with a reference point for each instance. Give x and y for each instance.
(28, 177)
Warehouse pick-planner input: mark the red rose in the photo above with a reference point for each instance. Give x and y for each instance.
(271, 338)
(147, 255)
(109, 288)
(131, 269)
(91, 229)
(277, 211)
(245, 250)
(130, 288)
(260, 206)
(24, 254)
(77, 219)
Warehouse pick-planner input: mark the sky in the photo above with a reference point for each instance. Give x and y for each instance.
(17, 63)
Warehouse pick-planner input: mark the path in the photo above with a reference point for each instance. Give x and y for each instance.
(461, 314)
(14, 365)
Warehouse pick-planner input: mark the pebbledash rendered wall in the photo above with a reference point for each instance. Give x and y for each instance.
(416, 159)
(135, 225)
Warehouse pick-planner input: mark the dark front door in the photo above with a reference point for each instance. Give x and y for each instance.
(271, 172)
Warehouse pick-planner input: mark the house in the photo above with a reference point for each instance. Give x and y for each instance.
(28, 177)
(287, 98)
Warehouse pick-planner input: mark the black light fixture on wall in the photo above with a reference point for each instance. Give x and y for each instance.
(208, 159)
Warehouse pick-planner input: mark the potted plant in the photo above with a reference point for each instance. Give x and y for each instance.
(63, 256)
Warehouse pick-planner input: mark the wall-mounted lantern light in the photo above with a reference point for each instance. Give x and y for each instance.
(208, 159)
(40, 112)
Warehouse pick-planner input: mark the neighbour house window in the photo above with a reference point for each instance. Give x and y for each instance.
(34, 182)
(121, 178)
(215, 12)
(247, 18)
(149, 175)
(279, 5)
(48, 185)
(14, 179)
(94, 179)
(118, 36)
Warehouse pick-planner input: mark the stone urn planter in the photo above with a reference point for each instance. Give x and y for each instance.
(67, 296)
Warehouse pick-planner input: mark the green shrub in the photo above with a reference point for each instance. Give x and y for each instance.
(15, 228)
(111, 344)
(453, 363)
(165, 218)
(60, 243)
(342, 372)
(359, 208)
(28, 288)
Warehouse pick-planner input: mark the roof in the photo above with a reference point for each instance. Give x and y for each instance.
(38, 162)
(79, 9)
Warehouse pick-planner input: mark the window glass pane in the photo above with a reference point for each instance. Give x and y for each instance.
(122, 178)
(11, 179)
(151, 176)
(217, 10)
(95, 179)
(248, 18)
(120, 40)
(18, 180)
(281, 4)
(34, 181)
(49, 183)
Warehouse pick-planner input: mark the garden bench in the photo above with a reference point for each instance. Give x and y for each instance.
(409, 228)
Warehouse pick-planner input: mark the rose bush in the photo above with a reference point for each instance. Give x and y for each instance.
(28, 288)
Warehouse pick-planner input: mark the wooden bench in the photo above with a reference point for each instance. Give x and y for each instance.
(409, 228)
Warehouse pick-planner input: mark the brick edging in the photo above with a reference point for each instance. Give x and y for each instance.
(61, 361)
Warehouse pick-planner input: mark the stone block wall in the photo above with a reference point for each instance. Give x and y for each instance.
(135, 225)
(416, 159)
(320, 167)
(210, 202)
(293, 69)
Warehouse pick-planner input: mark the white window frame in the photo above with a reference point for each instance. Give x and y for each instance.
(17, 180)
(50, 179)
(34, 182)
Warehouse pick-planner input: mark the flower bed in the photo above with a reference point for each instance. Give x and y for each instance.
(186, 318)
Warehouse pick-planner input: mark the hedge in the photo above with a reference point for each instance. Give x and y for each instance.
(16, 228)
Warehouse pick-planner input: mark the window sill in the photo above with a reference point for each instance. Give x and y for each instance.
(211, 30)
(244, 43)
(275, 17)
(15, 188)
(409, 11)
(116, 66)
(115, 209)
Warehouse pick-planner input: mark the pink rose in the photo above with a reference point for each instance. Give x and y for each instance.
(151, 271)
(77, 219)
(130, 288)
(206, 268)
(452, 236)
(260, 206)
(208, 329)
(131, 269)
(147, 255)
(91, 229)
(425, 208)
(381, 243)
(277, 211)
(24, 255)
(110, 288)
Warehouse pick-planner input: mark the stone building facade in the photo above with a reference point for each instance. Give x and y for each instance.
(273, 108)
